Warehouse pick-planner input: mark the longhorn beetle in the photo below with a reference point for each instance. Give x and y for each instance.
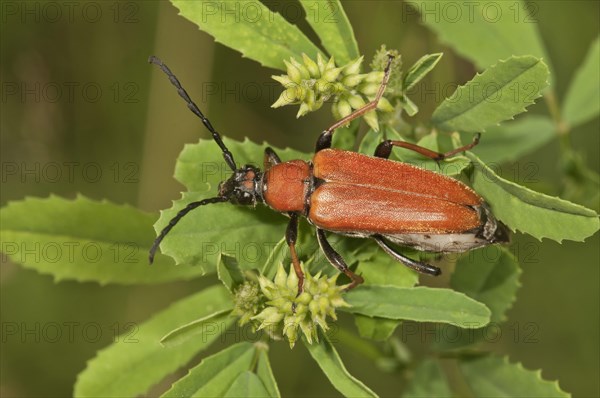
(352, 194)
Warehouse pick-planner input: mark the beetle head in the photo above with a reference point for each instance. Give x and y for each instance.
(243, 187)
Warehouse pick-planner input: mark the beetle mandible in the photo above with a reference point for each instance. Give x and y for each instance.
(352, 194)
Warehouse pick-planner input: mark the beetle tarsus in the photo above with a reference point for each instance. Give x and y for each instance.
(419, 266)
(463, 148)
(356, 280)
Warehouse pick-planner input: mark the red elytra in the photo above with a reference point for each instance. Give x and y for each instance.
(357, 195)
(395, 197)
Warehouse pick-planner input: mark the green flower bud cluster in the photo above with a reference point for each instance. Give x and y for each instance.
(312, 83)
(285, 313)
(248, 301)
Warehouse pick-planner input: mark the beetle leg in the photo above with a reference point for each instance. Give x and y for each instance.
(291, 235)
(419, 266)
(270, 159)
(324, 140)
(336, 260)
(384, 149)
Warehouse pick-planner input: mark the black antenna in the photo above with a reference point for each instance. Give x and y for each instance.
(178, 217)
(194, 108)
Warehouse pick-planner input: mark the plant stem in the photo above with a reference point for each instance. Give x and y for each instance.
(562, 128)
(456, 380)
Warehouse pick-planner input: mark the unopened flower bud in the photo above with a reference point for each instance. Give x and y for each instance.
(286, 98)
(293, 72)
(369, 89)
(284, 80)
(375, 77)
(372, 120)
(352, 80)
(332, 74)
(344, 108)
(312, 66)
(356, 101)
(301, 68)
(353, 67)
(384, 105)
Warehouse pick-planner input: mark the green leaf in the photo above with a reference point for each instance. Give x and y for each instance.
(250, 28)
(375, 328)
(345, 137)
(428, 381)
(331, 24)
(246, 233)
(497, 377)
(306, 247)
(381, 269)
(370, 141)
(85, 240)
(275, 258)
(484, 31)
(409, 106)
(215, 374)
(264, 372)
(423, 304)
(489, 275)
(229, 272)
(247, 384)
(373, 138)
(536, 214)
(580, 183)
(193, 329)
(497, 94)
(137, 360)
(582, 101)
(514, 139)
(420, 69)
(329, 361)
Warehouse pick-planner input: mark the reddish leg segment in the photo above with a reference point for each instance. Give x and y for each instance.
(324, 140)
(291, 235)
(384, 149)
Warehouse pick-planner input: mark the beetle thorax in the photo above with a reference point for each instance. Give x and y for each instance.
(287, 185)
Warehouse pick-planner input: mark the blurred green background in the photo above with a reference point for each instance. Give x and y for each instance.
(79, 98)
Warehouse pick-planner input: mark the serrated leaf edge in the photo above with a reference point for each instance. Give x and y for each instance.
(497, 178)
(479, 74)
(80, 197)
(513, 298)
(107, 348)
(537, 372)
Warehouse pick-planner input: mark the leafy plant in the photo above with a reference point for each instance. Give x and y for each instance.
(261, 292)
